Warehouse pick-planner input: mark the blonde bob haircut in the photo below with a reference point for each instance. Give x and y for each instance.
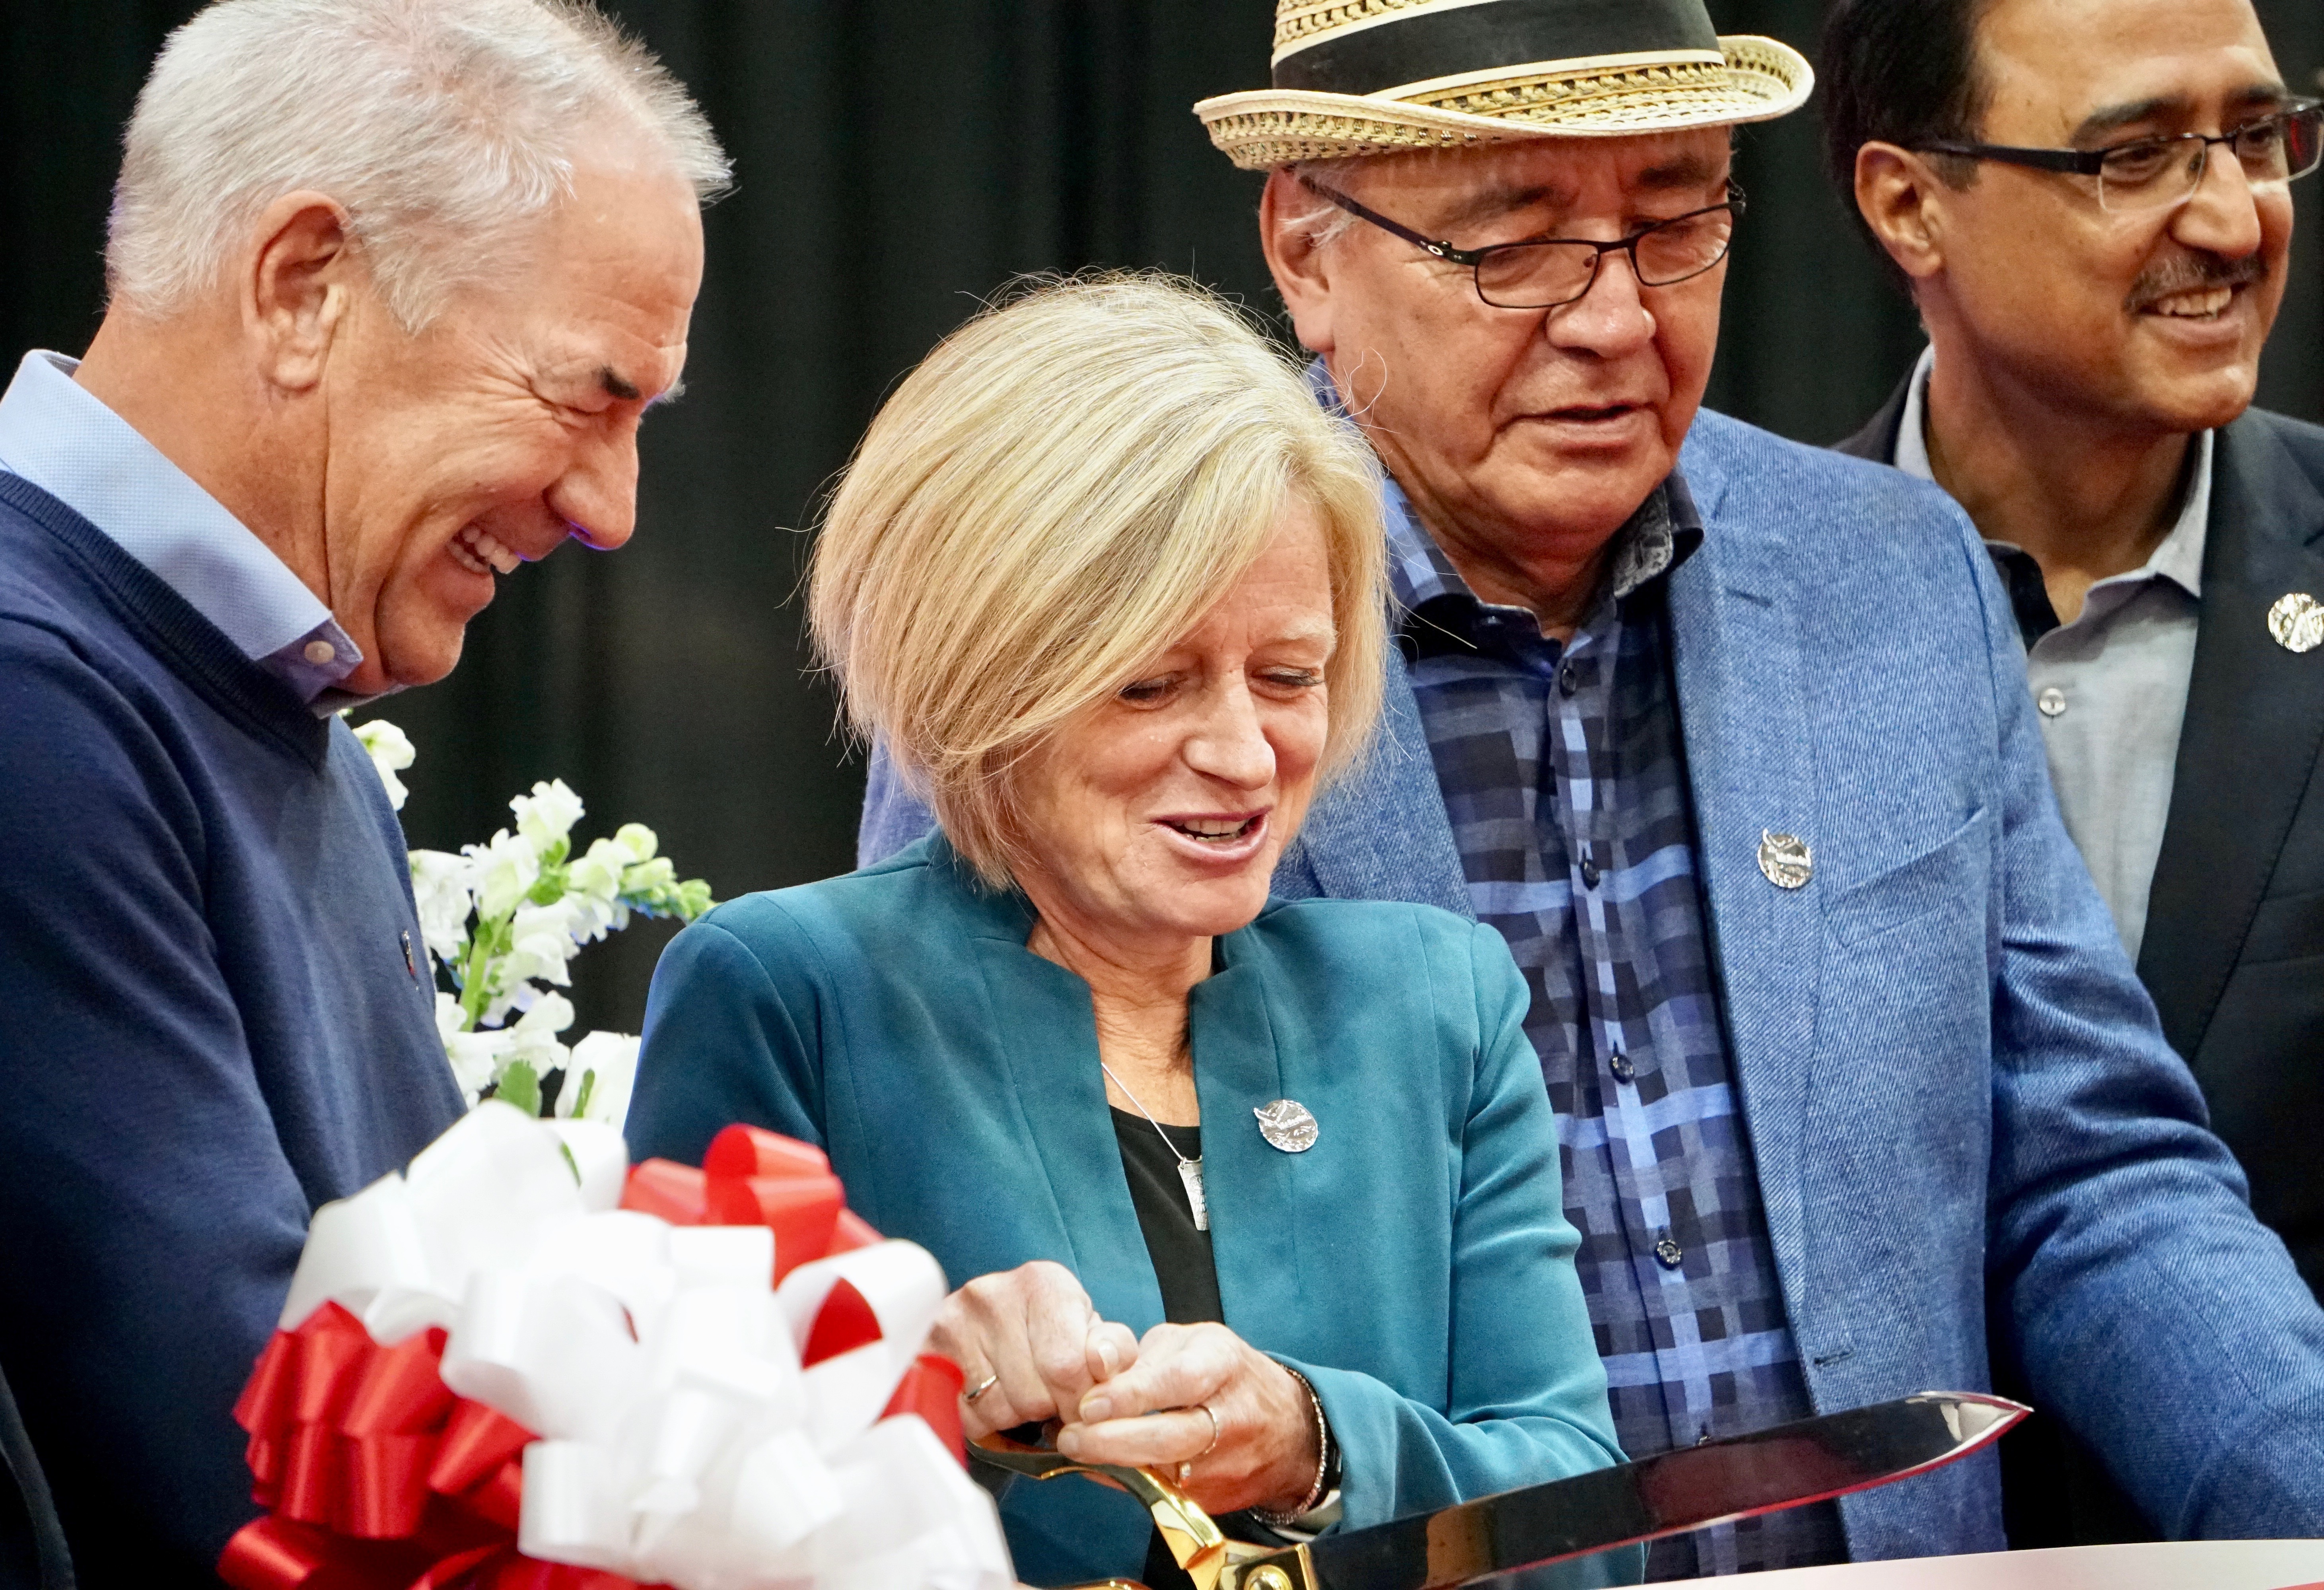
(1052, 501)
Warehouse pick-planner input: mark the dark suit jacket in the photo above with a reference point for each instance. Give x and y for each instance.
(2234, 954)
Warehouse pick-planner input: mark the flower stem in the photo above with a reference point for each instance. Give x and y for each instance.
(475, 978)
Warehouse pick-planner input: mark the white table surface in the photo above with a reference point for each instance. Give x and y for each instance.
(2191, 1565)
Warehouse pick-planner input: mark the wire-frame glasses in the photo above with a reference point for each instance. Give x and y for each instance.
(2156, 173)
(1543, 273)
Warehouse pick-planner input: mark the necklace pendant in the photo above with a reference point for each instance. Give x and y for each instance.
(1190, 1171)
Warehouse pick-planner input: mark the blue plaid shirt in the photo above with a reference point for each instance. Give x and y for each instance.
(1565, 779)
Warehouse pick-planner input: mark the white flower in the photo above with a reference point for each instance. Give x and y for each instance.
(476, 1057)
(540, 943)
(504, 994)
(439, 886)
(390, 753)
(534, 1036)
(640, 841)
(650, 878)
(594, 881)
(605, 1066)
(548, 814)
(504, 870)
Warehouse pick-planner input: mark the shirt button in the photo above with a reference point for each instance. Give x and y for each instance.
(2053, 702)
(1668, 1253)
(319, 652)
(1624, 1068)
(1569, 678)
(1589, 873)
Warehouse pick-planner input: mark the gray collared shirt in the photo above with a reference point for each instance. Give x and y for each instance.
(60, 436)
(2111, 686)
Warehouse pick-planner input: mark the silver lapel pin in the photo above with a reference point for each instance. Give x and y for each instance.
(1785, 858)
(1287, 1125)
(2296, 621)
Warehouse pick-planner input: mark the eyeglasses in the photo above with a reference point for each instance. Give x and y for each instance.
(1545, 272)
(2154, 173)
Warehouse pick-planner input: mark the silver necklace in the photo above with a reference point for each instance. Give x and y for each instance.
(1190, 1171)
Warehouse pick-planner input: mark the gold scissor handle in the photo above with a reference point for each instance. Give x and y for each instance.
(1211, 1560)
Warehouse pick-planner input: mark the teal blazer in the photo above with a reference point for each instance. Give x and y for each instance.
(1415, 1264)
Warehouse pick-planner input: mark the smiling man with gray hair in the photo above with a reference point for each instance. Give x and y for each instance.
(392, 282)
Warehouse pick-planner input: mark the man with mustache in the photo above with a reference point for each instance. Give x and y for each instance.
(391, 283)
(1729, 738)
(2088, 202)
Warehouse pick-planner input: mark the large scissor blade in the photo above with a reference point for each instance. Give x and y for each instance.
(1764, 1472)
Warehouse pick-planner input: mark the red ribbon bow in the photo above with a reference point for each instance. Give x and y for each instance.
(378, 1477)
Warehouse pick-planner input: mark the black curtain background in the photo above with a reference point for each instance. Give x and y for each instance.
(897, 160)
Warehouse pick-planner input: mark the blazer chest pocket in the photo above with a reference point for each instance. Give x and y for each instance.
(2290, 928)
(1950, 872)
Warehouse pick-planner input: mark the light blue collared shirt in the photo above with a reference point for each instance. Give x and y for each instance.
(2112, 685)
(58, 435)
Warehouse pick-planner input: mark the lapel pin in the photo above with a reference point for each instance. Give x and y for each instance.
(411, 961)
(2296, 621)
(1287, 1125)
(1785, 858)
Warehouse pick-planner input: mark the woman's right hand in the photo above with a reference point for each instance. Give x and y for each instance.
(1032, 1333)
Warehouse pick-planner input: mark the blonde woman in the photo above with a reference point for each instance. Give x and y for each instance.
(1265, 1193)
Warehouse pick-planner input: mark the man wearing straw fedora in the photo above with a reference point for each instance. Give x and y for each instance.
(1729, 738)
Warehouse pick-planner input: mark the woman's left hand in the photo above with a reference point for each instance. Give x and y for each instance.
(1152, 1415)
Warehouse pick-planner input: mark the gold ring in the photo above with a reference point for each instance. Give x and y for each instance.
(1213, 1418)
(983, 1386)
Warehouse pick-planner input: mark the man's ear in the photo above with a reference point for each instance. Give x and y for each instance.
(1302, 271)
(297, 288)
(1899, 195)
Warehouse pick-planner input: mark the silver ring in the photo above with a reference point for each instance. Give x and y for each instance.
(983, 1386)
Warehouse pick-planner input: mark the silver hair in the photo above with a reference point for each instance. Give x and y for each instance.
(1323, 223)
(441, 126)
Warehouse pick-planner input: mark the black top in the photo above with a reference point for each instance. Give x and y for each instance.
(1181, 1254)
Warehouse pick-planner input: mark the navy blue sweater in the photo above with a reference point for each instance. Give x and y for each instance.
(209, 1026)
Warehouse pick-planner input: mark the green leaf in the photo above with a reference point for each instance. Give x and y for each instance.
(521, 1086)
(581, 1098)
(571, 1164)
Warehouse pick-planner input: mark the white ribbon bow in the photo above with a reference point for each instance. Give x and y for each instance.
(682, 1442)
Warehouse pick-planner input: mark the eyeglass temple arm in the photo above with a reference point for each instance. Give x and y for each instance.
(1437, 246)
(2080, 163)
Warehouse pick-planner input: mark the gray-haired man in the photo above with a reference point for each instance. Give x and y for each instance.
(391, 285)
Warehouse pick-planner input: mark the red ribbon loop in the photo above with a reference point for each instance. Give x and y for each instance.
(751, 1177)
(379, 1478)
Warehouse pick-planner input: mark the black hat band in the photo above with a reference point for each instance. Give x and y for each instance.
(1463, 40)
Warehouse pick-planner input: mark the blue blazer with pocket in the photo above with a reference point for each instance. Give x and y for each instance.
(1956, 1088)
(1414, 1263)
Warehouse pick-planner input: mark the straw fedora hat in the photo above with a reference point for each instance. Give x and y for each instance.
(1370, 77)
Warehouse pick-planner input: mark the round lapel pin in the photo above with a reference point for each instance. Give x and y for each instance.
(2296, 621)
(1287, 1125)
(1785, 858)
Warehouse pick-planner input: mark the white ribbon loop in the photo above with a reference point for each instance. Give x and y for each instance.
(683, 1443)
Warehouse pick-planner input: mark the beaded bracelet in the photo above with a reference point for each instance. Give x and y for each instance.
(1291, 1516)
